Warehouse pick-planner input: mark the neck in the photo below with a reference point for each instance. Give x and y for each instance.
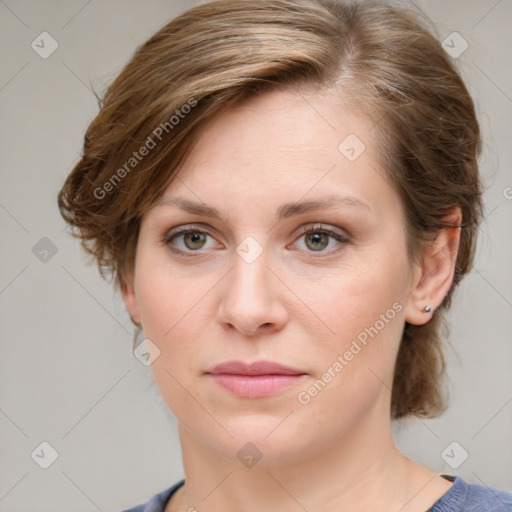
(362, 470)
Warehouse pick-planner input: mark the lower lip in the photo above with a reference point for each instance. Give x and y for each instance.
(255, 386)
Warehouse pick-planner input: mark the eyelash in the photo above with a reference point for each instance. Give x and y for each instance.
(317, 228)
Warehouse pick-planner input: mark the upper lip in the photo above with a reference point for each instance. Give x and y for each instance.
(256, 368)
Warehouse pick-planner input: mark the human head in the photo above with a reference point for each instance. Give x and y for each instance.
(383, 64)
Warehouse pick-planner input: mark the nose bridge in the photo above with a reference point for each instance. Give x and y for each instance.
(250, 265)
(249, 283)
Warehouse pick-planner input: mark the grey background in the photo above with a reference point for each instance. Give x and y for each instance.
(67, 374)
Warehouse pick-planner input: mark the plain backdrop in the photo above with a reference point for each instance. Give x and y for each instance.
(67, 374)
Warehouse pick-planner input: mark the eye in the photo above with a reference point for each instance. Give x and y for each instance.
(314, 239)
(320, 239)
(188, 240)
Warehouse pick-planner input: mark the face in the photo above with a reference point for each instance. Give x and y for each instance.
(276, 245)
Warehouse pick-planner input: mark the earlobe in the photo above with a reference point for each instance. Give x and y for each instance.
(130, 300)
(434, 275)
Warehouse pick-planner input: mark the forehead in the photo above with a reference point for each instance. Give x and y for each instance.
(283, 145)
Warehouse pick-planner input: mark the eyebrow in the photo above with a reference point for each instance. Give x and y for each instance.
(285, 211)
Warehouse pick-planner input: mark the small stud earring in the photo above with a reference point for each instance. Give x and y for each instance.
(428, 309)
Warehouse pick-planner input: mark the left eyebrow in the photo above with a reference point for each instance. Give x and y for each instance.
(289, 209)
(285, 211)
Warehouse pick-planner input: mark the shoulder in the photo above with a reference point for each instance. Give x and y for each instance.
(158, 502)
(495, 500)
(464, 497)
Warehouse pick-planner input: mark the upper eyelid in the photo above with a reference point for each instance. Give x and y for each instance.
(316, 226)
(301, 230)
(195, 226)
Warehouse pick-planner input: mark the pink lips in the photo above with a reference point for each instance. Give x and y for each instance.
(256, 380)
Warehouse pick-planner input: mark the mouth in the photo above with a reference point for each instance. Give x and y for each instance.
(257, 380)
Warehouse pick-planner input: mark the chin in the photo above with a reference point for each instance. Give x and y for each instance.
(256, 436)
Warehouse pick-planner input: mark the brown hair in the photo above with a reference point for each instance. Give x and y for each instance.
(381, 56)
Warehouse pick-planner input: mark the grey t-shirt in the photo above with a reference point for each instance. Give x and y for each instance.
(461, 497)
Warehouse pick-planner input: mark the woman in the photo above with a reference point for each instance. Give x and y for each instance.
(286, 193)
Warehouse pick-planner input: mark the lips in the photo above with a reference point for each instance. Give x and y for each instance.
(256, 368)
(256, 380)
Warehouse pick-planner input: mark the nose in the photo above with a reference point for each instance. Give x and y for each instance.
(250, 302)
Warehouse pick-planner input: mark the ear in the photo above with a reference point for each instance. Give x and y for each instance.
(130, 299)
(433, 276)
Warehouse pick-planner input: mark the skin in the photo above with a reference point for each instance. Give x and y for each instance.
(294, 305)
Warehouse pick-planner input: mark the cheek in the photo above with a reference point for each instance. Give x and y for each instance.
(168, 300)
(173, 317)
(356, 297)
(355, 366)
(364, 309)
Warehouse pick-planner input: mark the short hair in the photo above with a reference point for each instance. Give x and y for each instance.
(381, 59)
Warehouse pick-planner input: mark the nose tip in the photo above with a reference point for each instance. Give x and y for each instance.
(250, 301)
(251, 329)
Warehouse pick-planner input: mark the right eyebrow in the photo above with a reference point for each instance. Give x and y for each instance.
(193, 207)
